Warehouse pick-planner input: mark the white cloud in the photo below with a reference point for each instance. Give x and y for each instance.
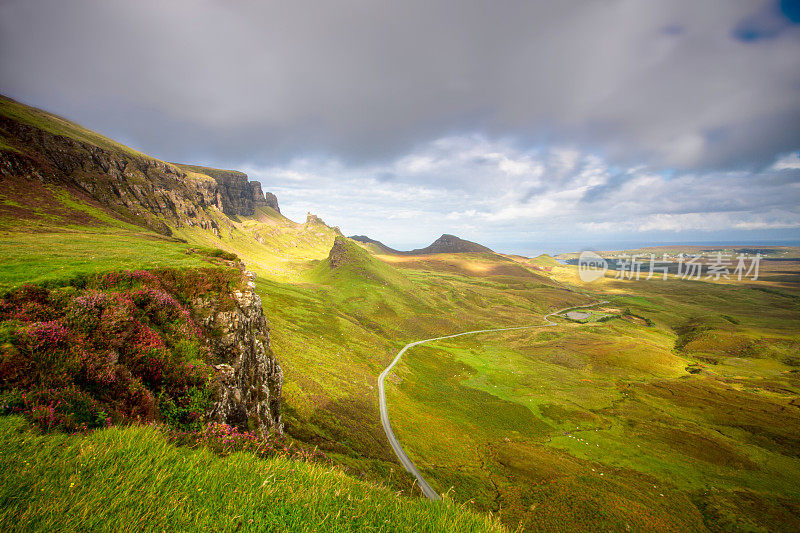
(788, 162)
(494, 190)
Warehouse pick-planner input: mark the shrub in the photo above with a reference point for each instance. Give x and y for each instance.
(223, 440)
(123, 345)
(65, 409)
(84, 312)
(188, 411)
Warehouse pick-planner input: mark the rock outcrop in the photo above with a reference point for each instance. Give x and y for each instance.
(250, 379)
(341, 253)
(272, 201)
(313, 220)
(260, 198)
(133, 186)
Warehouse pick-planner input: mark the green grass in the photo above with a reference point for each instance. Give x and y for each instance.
(544, 260)
(132, 479)
(4, 146)
(335, 329)
(50, 257)
(617, 397)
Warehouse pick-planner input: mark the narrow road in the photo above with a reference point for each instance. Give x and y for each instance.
(387, 427)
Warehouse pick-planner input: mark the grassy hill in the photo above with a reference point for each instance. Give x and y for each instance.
(544, 260)
(333, 329)
(133, 478)
(349, 265)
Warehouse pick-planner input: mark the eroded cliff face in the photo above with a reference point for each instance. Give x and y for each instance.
(260, 198)
(139, 189)
(249, 379)
(272, 201)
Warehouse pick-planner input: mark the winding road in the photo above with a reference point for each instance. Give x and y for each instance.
(387, 426)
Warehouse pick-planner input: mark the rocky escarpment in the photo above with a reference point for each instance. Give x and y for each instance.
(342, 254)
(260, 199)
(249, 380)
(272, 201)
(235, 194)
(135, 187)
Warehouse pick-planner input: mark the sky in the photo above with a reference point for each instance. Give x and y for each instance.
(526, 126)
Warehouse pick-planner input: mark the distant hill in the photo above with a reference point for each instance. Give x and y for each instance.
(544, 260)
(446, 244)
(450, 244)
(377, 246)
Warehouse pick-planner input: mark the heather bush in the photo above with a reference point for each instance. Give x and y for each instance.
(84, 311)
(223, 440)
(123, 344)
(65, 409)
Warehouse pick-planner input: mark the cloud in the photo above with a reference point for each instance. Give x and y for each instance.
(768, 22)
(500, 120)
(788, 162)
(463, 185)
(225, 81)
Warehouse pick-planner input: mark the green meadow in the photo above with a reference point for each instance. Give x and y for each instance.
(688, 423)
(133, 479)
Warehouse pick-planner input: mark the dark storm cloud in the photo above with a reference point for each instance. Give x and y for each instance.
(681, 84)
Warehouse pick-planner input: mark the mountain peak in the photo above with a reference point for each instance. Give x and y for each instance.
(343, 252)
(450, 244)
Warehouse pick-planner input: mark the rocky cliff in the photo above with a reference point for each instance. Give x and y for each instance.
(250, 379)
(263, 199)
(131, 185)
(272, 201)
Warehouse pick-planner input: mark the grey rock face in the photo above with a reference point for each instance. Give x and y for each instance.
(260, 198)
(249, 377)
(272, 201)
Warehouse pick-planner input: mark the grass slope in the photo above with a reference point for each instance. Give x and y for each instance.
(132, 479)
(678, 413)
(349, 265)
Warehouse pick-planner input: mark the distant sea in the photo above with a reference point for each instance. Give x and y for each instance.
(534, 249)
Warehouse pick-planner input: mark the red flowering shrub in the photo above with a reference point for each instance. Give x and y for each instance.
(42, 336)
(84, 313)
(224, 440)
(121, 344)
(65, 409)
